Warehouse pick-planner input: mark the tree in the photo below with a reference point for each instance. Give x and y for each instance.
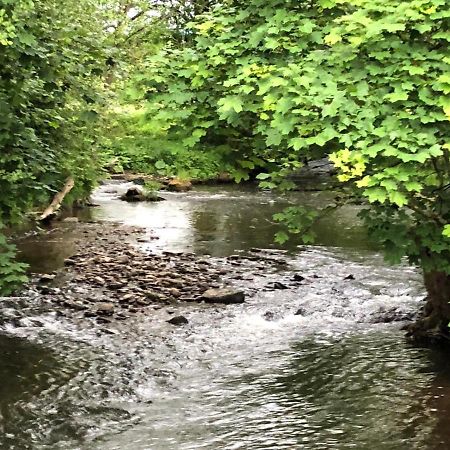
(52, 62)
(365, 82)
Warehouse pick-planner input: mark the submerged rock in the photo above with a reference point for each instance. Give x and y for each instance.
(278, 285)
(392, 315)
(223, 295)
(269, 316)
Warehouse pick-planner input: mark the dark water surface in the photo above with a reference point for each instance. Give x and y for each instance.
(235, 377)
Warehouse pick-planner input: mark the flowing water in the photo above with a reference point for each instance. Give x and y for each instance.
(250, 376)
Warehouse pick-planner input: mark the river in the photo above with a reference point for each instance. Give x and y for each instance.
(249, 376)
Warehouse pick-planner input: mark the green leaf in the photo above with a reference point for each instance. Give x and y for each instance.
(230, 104)
(281, 237)
(160, 164)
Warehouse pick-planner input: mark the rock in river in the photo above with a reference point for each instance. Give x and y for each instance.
(178, 185)
(106, 309)
(134, 194)
(138, 194)
(178, 320)
(223, 295)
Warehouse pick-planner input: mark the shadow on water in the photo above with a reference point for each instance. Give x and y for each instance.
(27, 372)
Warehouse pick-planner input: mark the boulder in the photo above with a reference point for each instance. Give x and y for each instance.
(178, 185)
(134, 194)
(223, 295)
(138, 194)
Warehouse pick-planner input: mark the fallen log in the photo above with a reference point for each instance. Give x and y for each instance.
(51, 209)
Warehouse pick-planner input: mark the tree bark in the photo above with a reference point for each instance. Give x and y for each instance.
(49, 213)
(433, 325)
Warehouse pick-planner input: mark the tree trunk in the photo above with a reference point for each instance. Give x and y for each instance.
(50, 212)
(433, 325)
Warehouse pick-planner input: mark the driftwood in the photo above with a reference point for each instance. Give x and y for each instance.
(50, 211)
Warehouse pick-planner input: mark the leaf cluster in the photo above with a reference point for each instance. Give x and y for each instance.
(365, 82)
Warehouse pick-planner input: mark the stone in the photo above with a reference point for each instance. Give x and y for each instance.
(99, 280)
(177, 282)
(106, 309)
(116, 285)
(75, 305)
(178, 185)
(133, 194)
(298, 277)
(46, 277)
(178, 320)
(269, 315)
(174, 292)
(142, 301)
(152, 295)
(71, 220)
(45, 290)
(278, 285)
(223, 295)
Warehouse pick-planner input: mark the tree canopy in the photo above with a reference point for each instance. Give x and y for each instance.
(365, 82)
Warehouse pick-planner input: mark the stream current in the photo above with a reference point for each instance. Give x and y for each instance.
(250, 376)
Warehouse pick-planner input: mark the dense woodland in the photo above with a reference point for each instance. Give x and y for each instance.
(255, 89)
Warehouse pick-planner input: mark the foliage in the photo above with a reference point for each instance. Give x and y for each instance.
(365, 81)
(51, 60)
(152, 186)
(297, 220)
(11, 272)
(50, 74)
(136, 143)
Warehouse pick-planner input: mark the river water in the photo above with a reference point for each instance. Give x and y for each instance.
(250, 376)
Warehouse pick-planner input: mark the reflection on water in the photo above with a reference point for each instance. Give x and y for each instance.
(235, 377)
(221, 221)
